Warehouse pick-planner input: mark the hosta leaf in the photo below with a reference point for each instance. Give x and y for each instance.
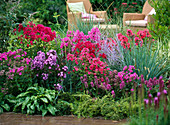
(44, 112)
(22, 94)
(1, 110)
(51, 109)
(25, 102)
(33, 88)
(48, 96)
(44, 100)
(6, 107)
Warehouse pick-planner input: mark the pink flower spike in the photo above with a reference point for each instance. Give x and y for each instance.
(20, 73)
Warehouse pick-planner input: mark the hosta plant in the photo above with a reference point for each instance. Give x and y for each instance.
(3, 105)
(36, 100)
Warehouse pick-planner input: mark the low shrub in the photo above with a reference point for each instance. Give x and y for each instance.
(106, 107)
(36, 100)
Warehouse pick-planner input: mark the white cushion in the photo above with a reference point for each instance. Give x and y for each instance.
(136, 23)
(96, 20)
(77, 7)
(150, 13)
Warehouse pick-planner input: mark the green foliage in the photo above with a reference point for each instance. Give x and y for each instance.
(36, 100)
(8, 18)
(145, 60)
(150, 115)
(45, 10)
(160, 29)
(106, 107)
(3, 105)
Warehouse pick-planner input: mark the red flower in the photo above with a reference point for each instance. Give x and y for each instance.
(134, 3)
(27, 45)
(31, 42)
(124, 3)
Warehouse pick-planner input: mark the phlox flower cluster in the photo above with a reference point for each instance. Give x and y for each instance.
(137, 38)
(76, 41)
(127, 76)
(13, 63)
(96, 82)
(47, 64)
(33, 33)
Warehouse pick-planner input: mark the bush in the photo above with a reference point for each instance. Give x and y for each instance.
(8, 20)
(45, 10)
(36, 100)
(106, 107)
(160, 29)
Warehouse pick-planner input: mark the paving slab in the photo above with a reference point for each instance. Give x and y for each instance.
(11, 118)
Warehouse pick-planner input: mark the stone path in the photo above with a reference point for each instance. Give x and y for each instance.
(11, 118)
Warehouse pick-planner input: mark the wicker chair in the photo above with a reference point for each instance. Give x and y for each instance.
(73, 17)
(135, 17)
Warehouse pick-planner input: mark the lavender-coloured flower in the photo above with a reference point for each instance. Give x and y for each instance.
(59, 87)
(113, 93)
(45, 76)
(92, 84)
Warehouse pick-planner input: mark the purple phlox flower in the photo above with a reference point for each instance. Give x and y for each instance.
(108, 87)
(123, 84)
(85, 84)
(132, 90)
(45, 76)
(64, 76)
(59, 87)
(113, 93)
(92, 84)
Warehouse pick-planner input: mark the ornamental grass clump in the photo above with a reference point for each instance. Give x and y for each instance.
(33, 38)
(47, 69)
(138, 50)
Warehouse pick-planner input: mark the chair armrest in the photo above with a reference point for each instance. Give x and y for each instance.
(132, 16)
(74, 15)
(150, 19)
(100, 14)
(73, 18)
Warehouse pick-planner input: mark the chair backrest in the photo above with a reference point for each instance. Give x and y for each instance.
(146, 8)
(87, 5)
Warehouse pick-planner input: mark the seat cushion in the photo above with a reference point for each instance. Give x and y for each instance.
(88, 16)
(76, 7)
(142, 23)
(94, 20)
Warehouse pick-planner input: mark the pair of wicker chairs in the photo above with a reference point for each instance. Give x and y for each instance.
(127, 17)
